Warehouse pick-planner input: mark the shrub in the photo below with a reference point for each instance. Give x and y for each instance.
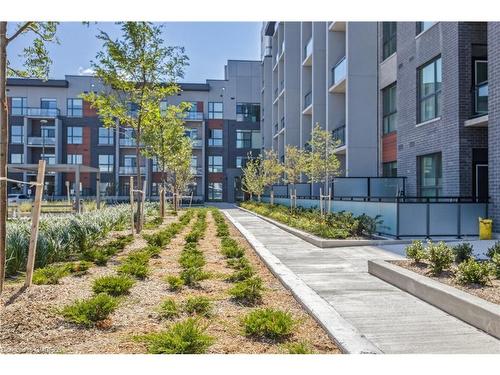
(175, 283)
(136, 269)
(186, 337)
(495, 249)
(153, 223)
(472, 272)
(230, 248)
(198, 305)
(495, 265)
(99, 258)
(440, 257)
(238, 263)
(191, 258)
(79, 268)
(462, 252)
(268, 323)
(242, 274)
(168, 309)
(248, 291)
(50, 274)
(416, 251)
(193, 275)
(90, 311)
(113, 285)
(298, 348)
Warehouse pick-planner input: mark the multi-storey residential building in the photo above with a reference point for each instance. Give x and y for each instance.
(322, 73)
(49, 120)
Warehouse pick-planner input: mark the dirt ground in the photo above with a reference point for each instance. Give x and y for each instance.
(30, 323)
(489, 292)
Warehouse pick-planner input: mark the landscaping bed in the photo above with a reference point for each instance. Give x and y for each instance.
(208, 307)
(333, 225)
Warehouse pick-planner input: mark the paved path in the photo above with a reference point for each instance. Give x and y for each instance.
(392, 320)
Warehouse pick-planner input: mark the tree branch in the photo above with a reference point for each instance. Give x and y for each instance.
(19, 31)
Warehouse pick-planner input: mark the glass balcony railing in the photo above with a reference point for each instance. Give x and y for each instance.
(127, 142)
(196, 171)
(481, 99)
(40, 141)
(197, 142)
(339, 135)
(194, 116)
(131, 170)
(339, 71)
(308, 99)
(41, 112)
(308, 49)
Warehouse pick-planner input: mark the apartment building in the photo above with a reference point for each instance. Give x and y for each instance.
(49, 120)
(322, 73)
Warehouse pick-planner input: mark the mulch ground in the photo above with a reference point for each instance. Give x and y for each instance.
(30, 322)
(489, 292)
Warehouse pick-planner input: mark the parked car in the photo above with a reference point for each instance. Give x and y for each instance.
(18, 198)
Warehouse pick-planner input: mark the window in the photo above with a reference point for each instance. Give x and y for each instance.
(390, 169)
(155, 167)
(215, 110)
(240, 161)
(46, 103)
(133, 109)
(106, 188)
(192, 133)
(429, 90)
(129, 161)
(243, 138)
(75, 159)
(49, 158)
(215, 137)
(429, 175)
(389, 109)
(19, 106)
(194, 161)
(389, 38)
(106, 163)
(17, 158)
(75, 107)
(17, 134)
(75, 135)
(247, 112)
(105, 136)
(422, 26)
(215, 191)
(215, 164)
(481, 87)
(163, 107)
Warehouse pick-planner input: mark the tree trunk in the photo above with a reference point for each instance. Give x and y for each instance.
(138, 223)
(4, 136)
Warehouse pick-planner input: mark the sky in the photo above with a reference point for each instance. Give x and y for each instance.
(208, 45)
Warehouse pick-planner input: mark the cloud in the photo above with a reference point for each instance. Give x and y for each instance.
(85, 71)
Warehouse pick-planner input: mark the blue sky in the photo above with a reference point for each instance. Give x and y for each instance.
(208, 45)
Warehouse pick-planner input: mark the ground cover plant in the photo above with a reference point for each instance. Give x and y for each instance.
(337, 225)
(268, 323)
(113, 285)
(53, 273)
(90, 311)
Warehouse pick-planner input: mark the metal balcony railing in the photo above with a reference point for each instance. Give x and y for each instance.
(308, 49)
(481, 98)
(194, 116)
(40, 141)
(339, 71)
(339, 134)
(308, 99)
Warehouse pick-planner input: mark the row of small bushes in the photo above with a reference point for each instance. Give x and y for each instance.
(337, 225)
(100, 254)
(440, 257)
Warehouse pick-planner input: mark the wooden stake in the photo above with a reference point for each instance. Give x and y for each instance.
(68, 192)
(35, 220)
(143, 198)
(162, 203)
(132, 205)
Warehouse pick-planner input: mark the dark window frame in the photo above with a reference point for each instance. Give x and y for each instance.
(392, 113)
(213, 114)
(439, 175)
(437, 94)
(73, 111)
(389, 39)
(390, 167)
(70, 137)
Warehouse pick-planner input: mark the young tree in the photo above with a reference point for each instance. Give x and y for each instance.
(294, 164)
(36, 63)
(165, 141)
(272, 169)
(321, 161)
(137, 69)
(253, 180)
(179, 167)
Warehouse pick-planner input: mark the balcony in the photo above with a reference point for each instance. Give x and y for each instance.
(282, 122)
(307, 104)
(194, 116)
(197, 142)
(307, 61)
(480, 97)
(196, 171)
(40, 112)
(41, 141)
(338, 134)
(130, 171)
(127, 142)
(339, 73)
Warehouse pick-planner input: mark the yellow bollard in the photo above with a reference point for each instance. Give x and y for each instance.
(485, 226)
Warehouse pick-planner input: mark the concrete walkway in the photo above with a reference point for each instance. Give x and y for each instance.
(392, 320)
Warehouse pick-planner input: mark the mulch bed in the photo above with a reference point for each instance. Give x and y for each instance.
(490, 292)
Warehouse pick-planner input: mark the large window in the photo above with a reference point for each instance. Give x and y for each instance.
(19, 106)
(481, 87)
(389, 109)
(243, 138)
(215, 191)
(106, 163)
(155, 165)
(215, 137)
(422, 26)
(75, 135)
(247, 112)
(215, 164)
(75, 159)
(215, 110)
(390, 169)
(429, 175)
(49, 158)
(17, 134)
(17, 158)
(240, 161)
(48, 103)
(105, 136)
(75, 107)
(389, 37)
(429, 90)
